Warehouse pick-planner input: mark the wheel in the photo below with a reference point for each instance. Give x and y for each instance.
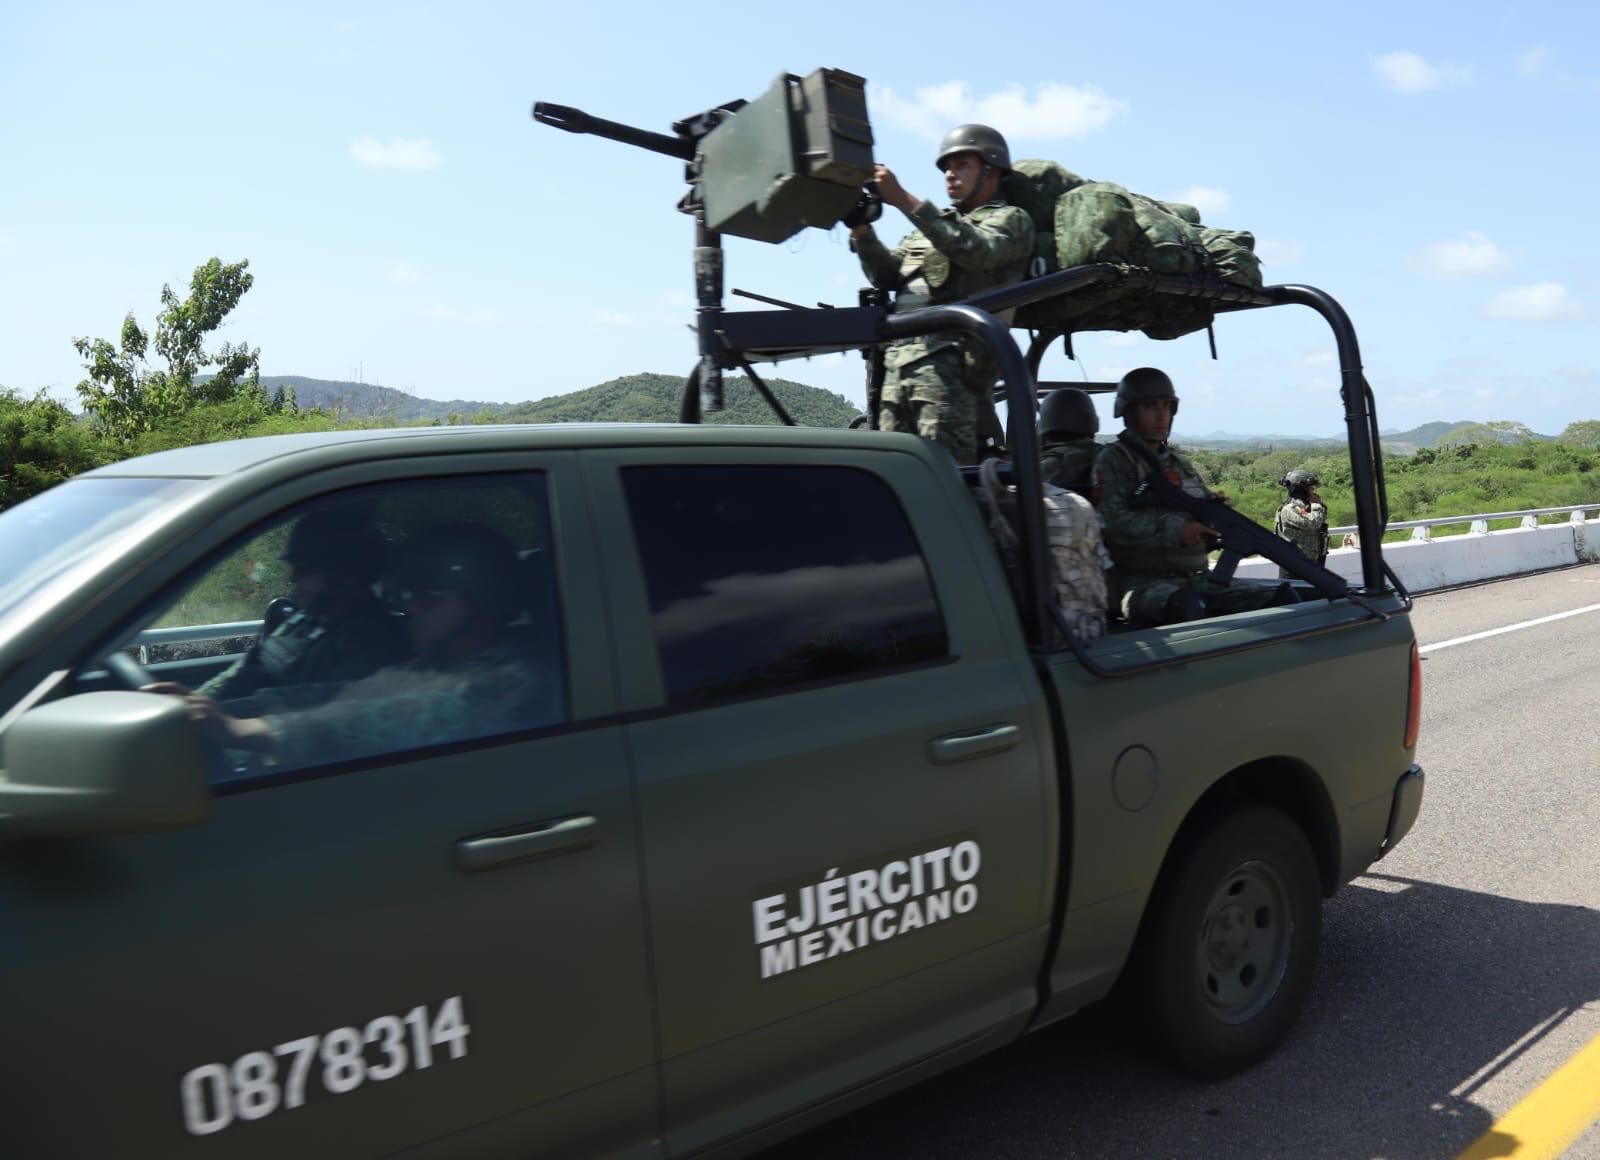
(1226, 954)
(126, 671)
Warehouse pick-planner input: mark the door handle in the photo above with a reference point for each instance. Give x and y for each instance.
(974, 743)
(525, 843)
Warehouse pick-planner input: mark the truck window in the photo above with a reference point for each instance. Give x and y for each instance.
(761, 578)
(378, 620)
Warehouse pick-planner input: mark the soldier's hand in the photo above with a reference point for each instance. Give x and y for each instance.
(890, 189)
(171, 688)
(1195, 535)
(1220, 497)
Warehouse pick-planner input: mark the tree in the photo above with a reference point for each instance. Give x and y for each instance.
(1583, 433)
(41, 444)
(129, 398)
(1496, 431)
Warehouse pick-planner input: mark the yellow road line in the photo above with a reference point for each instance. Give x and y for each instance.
(1550, 1117)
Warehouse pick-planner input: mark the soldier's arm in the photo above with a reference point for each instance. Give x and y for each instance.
(999, 237)
(1294, 516)
(879, 263)
(1127, 526)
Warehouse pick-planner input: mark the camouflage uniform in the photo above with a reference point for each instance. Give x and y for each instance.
(1069, 463)
(1152, 565)
(406, 706)
(1304, 523)
(304, 650)
(932, 384)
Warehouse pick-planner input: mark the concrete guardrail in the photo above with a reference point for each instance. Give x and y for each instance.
(1424, 563)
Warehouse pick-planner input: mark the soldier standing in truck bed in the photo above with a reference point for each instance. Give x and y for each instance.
(933, 384)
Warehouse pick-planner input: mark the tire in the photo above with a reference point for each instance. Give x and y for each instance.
(1226, 953)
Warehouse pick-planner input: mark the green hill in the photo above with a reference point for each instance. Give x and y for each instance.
(648, 398)
(371, 401)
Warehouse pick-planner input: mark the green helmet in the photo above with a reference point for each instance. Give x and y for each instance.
(980, 139)
(1068, 412)
(336, 540)
(474, 560)
(1143, 385)
(1300, 481)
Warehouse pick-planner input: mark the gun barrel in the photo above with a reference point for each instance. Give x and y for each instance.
(577, 121)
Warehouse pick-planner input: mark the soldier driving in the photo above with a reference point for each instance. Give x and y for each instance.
(1162, 559)
(338, 630)
(933, 385)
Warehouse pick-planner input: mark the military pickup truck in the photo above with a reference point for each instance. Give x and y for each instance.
(769, 790)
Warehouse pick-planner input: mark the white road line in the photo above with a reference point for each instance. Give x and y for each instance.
(1427, 648)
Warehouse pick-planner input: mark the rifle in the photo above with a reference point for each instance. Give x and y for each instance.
(1239, 535)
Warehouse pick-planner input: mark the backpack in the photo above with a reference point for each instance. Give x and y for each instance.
(1078, 222)
(1078, 558)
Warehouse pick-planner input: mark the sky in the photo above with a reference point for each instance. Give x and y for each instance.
(1431, 165)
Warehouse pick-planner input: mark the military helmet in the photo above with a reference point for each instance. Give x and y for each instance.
(1143, 385)
(474, 560)
(337, 540)
(979, 139)
(1299, 481)
(1068, 412)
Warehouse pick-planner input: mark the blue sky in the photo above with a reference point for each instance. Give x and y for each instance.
(1431, 165)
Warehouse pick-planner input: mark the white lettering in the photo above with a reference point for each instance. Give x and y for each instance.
(883, 924)
(831, 907)
(890, 893)
(769, 918)
(936, 858)
(811, 948)
(775, 960)
(964, 861)
(807, 918)
(916, 876)
(839, 940)
(937, 906)
(912, 911)
(864, 891)
(966, 897)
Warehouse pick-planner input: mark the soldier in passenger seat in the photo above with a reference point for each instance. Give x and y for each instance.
(458, 584)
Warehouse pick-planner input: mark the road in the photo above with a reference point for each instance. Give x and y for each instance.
(1454, 980)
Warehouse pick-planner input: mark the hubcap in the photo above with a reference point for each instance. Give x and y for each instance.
(1244, 942)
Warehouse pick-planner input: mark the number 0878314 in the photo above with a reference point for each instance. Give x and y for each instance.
(259, 1083)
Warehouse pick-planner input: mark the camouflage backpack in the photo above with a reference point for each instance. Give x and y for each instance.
(1078, 558)
(1077, 222)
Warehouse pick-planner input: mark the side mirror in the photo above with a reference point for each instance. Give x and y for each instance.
(103, 763)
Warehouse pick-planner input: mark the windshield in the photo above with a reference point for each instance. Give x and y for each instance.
(49, 533)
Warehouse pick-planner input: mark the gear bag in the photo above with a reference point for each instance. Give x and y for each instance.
(1078, 222)
(1078, 558)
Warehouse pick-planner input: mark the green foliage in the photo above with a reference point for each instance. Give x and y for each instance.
(1584, 433)
(130, 398)
(41, 444)
(655, 399)
(1492, 432)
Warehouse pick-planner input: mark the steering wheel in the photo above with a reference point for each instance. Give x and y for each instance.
(126, 671)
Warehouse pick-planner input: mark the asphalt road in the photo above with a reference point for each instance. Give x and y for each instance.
(1453, 981)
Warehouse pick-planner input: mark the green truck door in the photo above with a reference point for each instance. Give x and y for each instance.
(846, 814)
(427, 951)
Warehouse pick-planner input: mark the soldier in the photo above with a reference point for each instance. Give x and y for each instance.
(1162, 560)
(1067, 426)
(1303, 519)
(338, 630)
(459, 590)
(933, 385)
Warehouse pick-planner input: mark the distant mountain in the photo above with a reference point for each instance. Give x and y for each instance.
(371, 401)
(650, 398)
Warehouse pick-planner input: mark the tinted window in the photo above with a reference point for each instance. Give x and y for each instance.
(761, 577)
(371, 621)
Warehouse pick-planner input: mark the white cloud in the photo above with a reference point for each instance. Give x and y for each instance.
(1536, 60)
(451, 314)
(406, 274)
(397, 154)
(1541, 302)
(1408, 73)
(1207, 199)
(1055, 111)
(1469, 257)
(612, 318)
(1279, 253)
(1321, 358)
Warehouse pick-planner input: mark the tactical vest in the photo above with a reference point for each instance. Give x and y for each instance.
(1159, 557)
(928, 278)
